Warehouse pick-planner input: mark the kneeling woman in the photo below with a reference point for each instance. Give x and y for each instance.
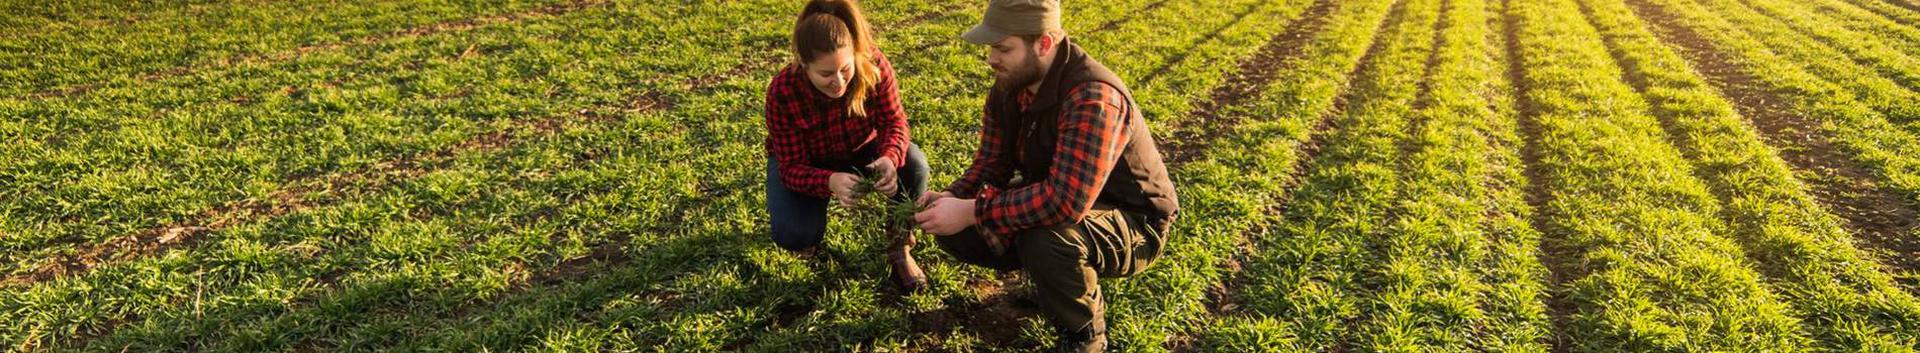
(834, 115)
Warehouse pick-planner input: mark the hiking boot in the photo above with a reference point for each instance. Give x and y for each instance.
(1091, 338)
(906, 272)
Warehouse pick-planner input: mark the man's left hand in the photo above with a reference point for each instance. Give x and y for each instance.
(947, 216)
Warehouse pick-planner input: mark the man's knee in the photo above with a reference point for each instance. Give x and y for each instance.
(1066, 288)
(1051, 246)
(969, 248)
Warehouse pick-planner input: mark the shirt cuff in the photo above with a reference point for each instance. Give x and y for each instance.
(983, 210)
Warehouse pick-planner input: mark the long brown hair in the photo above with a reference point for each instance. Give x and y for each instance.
(826, 26)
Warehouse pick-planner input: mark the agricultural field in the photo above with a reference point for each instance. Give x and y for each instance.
(587, 175)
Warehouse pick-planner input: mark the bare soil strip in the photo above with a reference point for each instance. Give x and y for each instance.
(1254, 75)
(1557, 259)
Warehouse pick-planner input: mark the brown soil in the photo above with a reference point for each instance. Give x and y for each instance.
(1253, 75)
(1558, 260)
(995, 317)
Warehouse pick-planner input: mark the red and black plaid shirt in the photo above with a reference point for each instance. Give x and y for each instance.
(804, 125)
(1092, 127)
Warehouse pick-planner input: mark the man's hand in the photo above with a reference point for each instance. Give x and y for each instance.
(886, 179)
(947, 216)
(927, 198)
(841, 184)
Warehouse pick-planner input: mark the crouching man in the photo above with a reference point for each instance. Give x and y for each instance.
(1067, 184)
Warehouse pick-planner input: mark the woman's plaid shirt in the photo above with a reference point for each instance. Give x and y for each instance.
(804, 125)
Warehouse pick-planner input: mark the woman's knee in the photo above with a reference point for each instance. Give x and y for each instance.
(914, 173)
(796, 238)
(796, 225)
(796, 221)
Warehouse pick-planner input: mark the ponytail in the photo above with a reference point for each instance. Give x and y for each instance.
(828, 25)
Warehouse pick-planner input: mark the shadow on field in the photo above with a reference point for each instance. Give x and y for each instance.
(1116, 23)
(1147, 81)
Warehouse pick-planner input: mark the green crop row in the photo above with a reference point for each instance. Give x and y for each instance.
(449, 239)
(1292, 303)
(1883, 93)
(1403, 262)
(1640, 258)
(1875, 138)
(1865, 47)
(1903, 38)
(1337, 236)
(1890, 9)
(1459, 268)
(1843, 298)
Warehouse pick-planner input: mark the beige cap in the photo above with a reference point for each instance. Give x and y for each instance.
(1014, 17)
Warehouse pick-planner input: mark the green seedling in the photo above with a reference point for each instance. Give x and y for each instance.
(870, 202)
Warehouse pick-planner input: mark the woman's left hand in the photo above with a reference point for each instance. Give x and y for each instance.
(886, 180)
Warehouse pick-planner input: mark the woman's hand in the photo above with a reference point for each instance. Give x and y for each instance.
(841, 184)
(887, 179)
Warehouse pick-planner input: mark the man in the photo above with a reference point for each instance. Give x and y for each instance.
(1067, 184)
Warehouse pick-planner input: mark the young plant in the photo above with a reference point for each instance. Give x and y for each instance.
(876, 203)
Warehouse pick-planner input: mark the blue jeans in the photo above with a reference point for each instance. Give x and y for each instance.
(799, 221)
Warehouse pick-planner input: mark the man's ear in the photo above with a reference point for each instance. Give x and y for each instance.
(1048, 42)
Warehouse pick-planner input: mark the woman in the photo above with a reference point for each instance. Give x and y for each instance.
(833, 116)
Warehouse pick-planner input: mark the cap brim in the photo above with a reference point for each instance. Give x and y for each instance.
(982, 35)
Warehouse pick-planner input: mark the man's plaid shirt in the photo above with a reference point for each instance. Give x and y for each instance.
(1092, 128)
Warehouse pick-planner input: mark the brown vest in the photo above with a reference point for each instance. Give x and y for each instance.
(1139, 182)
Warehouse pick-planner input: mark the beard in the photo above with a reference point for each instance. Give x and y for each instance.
(1018, 77)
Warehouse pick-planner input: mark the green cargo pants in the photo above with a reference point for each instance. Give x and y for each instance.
(1065, 262)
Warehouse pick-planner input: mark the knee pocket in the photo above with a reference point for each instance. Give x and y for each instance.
(1058, 245)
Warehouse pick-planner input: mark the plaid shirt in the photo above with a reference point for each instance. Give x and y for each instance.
(804, 125)
(1092, 128)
